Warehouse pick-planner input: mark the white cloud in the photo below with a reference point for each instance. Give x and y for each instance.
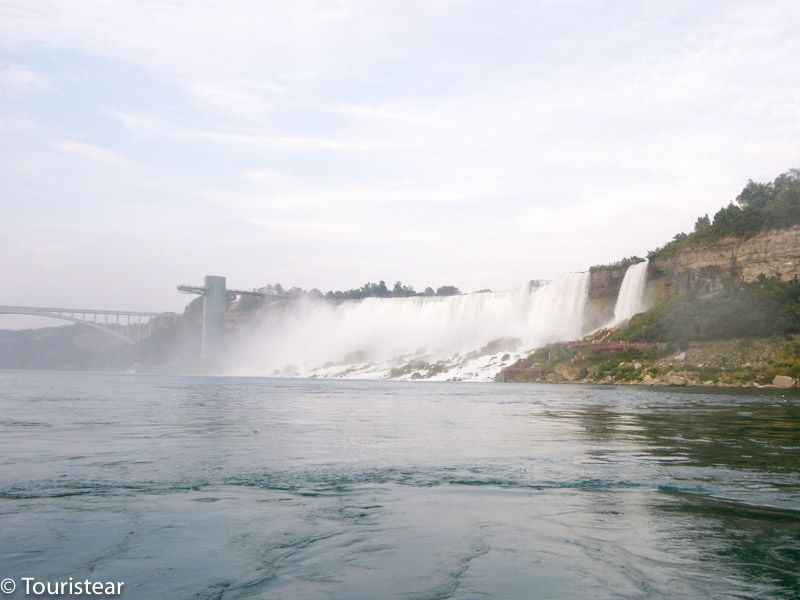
(95, 153)
(233, 100)
(267, 177)
(215, 51)
(147, 125)
(18, 79)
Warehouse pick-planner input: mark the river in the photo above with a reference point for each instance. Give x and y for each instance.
(202, 487)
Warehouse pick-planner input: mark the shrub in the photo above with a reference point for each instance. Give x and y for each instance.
(763, 307)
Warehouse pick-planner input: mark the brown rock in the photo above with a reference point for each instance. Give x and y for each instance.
(783, 381)
(705, 268)
(568, 372)
(673, 379)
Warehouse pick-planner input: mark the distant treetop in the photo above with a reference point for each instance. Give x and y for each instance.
(759, 207)
(368, 290)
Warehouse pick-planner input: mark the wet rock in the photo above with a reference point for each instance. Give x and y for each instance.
(500, 345)
(358, 356)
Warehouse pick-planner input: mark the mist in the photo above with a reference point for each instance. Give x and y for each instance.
(468, 336)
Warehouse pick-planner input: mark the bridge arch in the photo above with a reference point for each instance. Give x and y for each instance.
(91, 318)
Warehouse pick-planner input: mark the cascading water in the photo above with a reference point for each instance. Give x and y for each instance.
(631, 298)
(470, 336)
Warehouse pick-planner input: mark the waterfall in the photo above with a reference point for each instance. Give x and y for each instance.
(631, 300)
(470, 336)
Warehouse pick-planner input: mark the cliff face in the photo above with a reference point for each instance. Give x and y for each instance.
(774, 254)
(703, 270)
(604, 284)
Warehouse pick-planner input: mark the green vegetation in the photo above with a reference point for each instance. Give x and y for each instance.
(759, 207)
(622, 263)
(619, 365)
(763, 307)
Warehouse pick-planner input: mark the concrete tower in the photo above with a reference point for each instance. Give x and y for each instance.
(215, 302)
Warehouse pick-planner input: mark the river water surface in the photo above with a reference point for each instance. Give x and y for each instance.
(189, 487)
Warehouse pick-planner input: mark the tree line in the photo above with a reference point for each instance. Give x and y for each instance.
(368, 290)
(759, 207)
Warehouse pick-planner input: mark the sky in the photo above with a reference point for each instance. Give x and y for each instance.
(326, 144)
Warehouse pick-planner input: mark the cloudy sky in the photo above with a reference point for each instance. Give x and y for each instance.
(324, 144)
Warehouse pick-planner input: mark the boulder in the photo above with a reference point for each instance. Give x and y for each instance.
(673, 379)
(568, 372)
(783, 381)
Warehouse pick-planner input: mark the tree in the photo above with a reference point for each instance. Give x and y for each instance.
(759, 207)
(402, 291)
(448, 290)
(755, 195)
(702, 224)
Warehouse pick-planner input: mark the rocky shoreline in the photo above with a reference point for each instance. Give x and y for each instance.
(772, 362)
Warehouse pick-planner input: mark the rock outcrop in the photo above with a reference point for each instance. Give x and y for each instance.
(604, 284)
(673, 379)
(783, 381)
(704, 269)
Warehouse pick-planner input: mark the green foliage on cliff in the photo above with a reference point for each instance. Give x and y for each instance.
(763, 307)
(759, 207)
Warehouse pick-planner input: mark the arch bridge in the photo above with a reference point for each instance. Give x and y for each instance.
(130, 326)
